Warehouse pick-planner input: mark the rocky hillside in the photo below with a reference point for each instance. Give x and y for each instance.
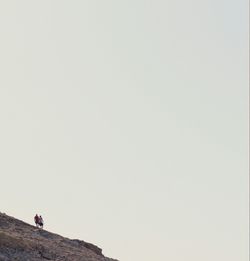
(20, 241)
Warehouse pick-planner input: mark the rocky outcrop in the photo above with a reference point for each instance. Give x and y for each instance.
(20, 241)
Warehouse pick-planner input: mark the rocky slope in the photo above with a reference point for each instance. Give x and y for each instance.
(20, 241)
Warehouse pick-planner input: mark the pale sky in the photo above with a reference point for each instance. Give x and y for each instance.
(125, 124)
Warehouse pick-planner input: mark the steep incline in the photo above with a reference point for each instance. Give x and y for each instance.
(20, 241)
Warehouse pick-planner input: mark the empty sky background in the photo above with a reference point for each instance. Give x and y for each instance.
(125, 124)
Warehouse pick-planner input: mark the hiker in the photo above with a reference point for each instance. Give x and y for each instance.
(41, 222)
(36, 219)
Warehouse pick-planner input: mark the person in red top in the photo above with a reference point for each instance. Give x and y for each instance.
(36, 219)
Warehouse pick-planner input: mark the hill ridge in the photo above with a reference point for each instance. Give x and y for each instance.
(21, 241)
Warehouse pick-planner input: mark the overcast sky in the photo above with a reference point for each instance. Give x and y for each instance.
(125, 124)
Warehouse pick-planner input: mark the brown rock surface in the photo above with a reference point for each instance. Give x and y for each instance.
(20, 241)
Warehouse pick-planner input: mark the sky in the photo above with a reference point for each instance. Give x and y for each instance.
(125, 124)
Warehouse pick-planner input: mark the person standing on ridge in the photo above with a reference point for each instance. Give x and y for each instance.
(41, 223)
(36, 219)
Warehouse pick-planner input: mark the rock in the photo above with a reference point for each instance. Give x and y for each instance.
(20, 241)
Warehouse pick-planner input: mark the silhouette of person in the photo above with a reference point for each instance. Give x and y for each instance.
(36, 219)
(41, 222)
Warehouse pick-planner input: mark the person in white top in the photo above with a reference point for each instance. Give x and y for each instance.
(41, 222)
